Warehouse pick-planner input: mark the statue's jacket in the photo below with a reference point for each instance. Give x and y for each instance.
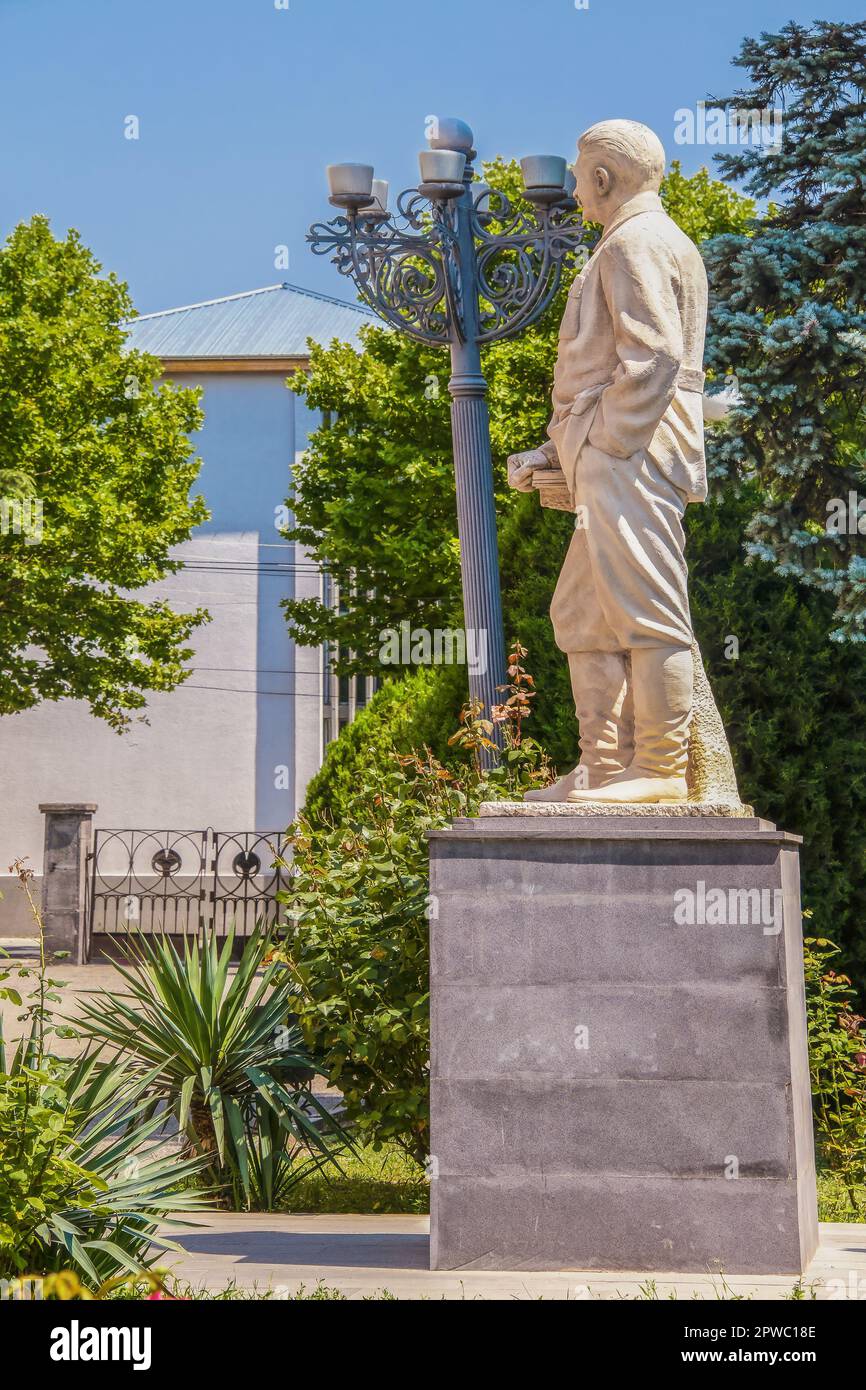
(629, 371)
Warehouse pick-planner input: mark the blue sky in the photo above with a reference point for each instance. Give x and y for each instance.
(241, 104)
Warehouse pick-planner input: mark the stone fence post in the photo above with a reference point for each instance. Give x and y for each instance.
(68, 833)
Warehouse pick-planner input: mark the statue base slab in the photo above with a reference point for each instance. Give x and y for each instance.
(619, 1076)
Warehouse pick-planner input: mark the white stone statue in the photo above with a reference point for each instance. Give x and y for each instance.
(626, 454)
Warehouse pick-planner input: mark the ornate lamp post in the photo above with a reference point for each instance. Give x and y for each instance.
(458, 267)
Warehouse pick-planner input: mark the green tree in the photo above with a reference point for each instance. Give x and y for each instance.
(96, 467)
(374, 494)
(788, 314)
(705, 207)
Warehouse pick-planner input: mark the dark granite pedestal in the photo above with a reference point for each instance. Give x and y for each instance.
(619, 1067)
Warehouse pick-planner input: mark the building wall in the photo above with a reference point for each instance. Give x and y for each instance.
(236, 744)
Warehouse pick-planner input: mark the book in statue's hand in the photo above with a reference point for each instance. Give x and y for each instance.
(552, 488)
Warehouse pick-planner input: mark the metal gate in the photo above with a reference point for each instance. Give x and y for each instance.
(184, 882)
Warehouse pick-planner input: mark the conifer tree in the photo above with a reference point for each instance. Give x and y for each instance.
(788, 313)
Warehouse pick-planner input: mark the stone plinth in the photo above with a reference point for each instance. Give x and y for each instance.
(619, 1068)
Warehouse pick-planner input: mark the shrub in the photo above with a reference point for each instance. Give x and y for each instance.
(412, 711)
(358, 950)
(359, 903)
(224, 1057)
(837, 1056)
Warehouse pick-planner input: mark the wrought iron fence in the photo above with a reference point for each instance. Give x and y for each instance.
(184, 882)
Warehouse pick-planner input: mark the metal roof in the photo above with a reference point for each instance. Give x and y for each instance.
(275, 321)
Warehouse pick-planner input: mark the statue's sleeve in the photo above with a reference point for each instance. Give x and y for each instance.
(639, 281)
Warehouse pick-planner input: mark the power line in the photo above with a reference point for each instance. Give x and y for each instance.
(247, 567)
(257, 670)
(233, 690)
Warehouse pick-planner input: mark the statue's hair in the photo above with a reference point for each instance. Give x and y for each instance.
(635, 151)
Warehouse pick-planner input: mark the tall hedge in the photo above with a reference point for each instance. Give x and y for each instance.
(405, 713)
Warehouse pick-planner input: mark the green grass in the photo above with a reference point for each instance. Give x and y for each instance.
(384, 1181)
(834, 1204)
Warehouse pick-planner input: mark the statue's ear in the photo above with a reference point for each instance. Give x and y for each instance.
(602, 180)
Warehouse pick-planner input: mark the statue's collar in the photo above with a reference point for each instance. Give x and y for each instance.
(641, 202)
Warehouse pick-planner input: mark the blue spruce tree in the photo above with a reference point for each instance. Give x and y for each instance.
(788, 311)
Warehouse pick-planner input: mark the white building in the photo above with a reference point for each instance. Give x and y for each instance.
(234, 746)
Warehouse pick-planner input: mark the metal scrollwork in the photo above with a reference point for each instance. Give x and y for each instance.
(403, 266)
(520, 260)
(408, 270)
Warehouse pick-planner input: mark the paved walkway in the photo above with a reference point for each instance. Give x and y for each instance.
(361, 1255)
(78, 982)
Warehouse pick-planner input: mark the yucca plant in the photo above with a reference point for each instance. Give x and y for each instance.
(81, 1181)
(222, 1055)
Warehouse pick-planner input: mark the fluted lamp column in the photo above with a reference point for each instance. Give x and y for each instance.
(473, 459)
(456, 266)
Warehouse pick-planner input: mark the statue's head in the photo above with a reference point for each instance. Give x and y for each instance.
(616, 160)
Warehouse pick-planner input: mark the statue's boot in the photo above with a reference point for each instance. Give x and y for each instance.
(603, 705)
(661, 682)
